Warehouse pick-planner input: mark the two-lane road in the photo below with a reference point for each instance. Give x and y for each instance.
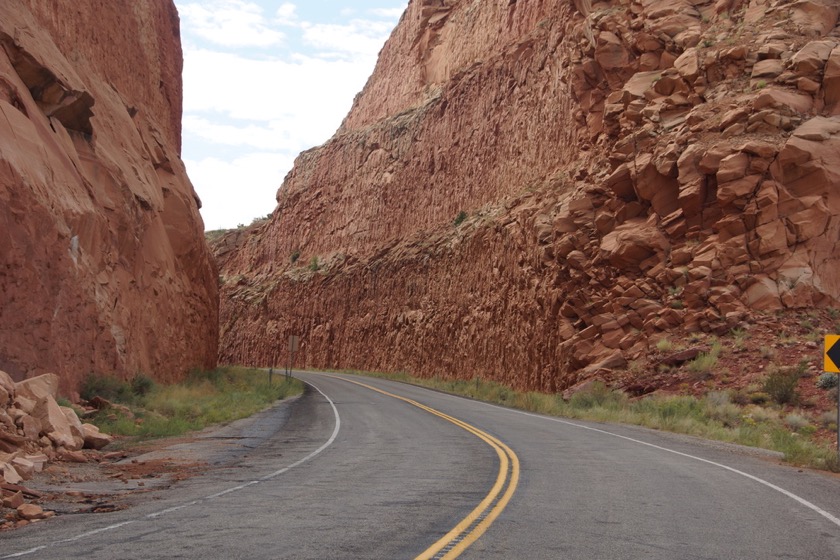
(366, 468)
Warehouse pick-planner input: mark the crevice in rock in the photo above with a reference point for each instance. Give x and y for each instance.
(72, 108)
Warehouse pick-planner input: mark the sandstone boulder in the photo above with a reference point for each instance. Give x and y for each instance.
(641, 82)
(74, 422)
(776, 98)
(661, 191)
(688, 65)
(692, 181)
(585, 386)
(767, 69)
(94, 439)
(763, 295)
(732, 167)
(36, 388)
(831, 82)
(13, 501)
(631, 243)
(31, 427)
(9, 474)
(7, 389)
(6, 419)
(32, 512)
(611, 53)
(72, 456)
(38, 460)
(54, 424)
(24, 404)
(811, 58)
(24, 467)
(816, 17)
(809, 162)
(737, 191)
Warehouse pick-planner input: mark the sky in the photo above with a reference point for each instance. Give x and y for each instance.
(263, 81)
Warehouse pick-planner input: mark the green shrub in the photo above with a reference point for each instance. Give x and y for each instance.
(141, 385)
(796, 422)
(664, 345)
(759, 397)
(762, 415)
(781, 385)
(598, 395)
(459, 219)
(107, 387)
(739, 335)
(705, 362)
(718, 406)
(827, 380)
(828, 420)
(718, 398)
(295, 256)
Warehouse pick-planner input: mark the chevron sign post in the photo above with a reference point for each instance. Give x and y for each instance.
(831, 363)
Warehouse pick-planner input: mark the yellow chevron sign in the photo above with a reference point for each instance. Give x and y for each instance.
(831, 358)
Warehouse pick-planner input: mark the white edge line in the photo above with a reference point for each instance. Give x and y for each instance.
(194, 502)
(68, 540)
(789, 494)
(320, 449)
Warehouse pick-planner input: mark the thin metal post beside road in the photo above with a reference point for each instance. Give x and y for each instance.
(294, 343)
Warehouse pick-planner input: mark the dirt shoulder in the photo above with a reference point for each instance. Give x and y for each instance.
(127, 471)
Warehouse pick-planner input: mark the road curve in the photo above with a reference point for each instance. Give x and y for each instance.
(595, 491)
(350, 472)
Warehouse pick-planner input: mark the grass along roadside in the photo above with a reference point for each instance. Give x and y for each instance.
(714, 416)
(144, 409)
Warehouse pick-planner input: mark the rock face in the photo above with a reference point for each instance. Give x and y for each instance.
(103, 264)
(528, 191)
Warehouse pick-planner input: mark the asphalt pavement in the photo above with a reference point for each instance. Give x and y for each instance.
(350, 472)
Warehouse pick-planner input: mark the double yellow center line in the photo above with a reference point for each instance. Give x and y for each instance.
(469, 529)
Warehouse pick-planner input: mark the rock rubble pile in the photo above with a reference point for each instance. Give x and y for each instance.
(34, 430)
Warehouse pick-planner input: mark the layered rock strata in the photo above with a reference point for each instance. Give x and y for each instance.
(103, 265)
(530, 191)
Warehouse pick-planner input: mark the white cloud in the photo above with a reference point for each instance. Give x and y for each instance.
(304, 92)
(237, 191)
(264, 107)
(292, 134)
(230, 23)
(287, 14)
(390, 13)
(357, 37)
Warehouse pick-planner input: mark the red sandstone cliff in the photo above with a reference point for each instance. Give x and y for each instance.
(626, 168)
(103, 264)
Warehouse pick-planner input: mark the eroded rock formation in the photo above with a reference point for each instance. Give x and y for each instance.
(103, 265)
(624, 168)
